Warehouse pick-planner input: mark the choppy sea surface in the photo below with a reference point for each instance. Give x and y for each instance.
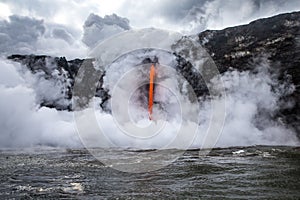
(258, 172)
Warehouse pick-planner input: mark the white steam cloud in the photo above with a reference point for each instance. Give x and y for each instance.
(251, 101)
(22, 122)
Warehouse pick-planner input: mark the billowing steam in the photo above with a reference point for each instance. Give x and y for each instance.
(22, 122)
(248, 96)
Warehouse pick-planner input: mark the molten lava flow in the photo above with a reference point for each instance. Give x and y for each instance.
(151, 88)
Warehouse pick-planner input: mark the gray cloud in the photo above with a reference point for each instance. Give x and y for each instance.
(174, 10)
(34, 7)
(72, 12)
(62, 34)
(27, 35)
(97, 28)
(20, 33)
(184, 15)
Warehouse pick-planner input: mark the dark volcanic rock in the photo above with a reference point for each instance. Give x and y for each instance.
(37, 63)
(277, 38)
(67, 71)
(47, 65)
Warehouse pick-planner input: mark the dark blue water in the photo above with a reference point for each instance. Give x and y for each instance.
(260, 172)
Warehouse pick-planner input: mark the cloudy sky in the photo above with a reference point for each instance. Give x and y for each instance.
(41, 25)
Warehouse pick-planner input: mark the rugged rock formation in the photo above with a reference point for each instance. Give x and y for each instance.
(47, 65)
(67, 70)
(276, 38)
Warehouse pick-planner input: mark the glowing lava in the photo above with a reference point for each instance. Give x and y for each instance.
(151, 90)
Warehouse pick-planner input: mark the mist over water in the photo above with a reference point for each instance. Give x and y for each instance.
(252, 99)
(250, 103)
(23, 123)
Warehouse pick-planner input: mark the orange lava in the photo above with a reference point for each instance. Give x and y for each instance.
(151, 88)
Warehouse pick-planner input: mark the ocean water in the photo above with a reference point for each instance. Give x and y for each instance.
(257, 172)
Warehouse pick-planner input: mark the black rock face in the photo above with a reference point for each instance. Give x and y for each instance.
(46, 65)
(68, 71)
(276, 38)
(38, 63)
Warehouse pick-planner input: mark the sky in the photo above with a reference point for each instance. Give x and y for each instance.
(159, 13)
(60, 27)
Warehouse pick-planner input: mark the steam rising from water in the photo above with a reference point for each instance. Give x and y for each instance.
(250, 103)
(252, 98)
(22, 122)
